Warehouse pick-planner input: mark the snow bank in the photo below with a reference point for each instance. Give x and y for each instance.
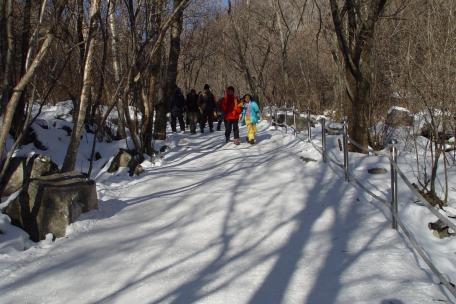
(12, 238)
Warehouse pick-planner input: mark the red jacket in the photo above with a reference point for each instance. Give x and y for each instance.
(230, 106)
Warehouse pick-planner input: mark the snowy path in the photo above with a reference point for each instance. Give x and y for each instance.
(225, 224)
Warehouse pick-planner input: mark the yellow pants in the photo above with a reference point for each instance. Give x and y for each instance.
(251, 129)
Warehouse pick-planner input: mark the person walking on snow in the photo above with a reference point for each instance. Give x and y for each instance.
(250, 117)
(206, 102)
(220, 115)
(192, 110)
(231, 107)
(177, 105)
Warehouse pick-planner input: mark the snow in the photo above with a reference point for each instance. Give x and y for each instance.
(210, 222)
(398, 109)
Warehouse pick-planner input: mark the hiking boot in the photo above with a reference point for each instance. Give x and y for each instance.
(237, 141)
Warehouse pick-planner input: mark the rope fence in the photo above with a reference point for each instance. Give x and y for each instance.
(392, 205)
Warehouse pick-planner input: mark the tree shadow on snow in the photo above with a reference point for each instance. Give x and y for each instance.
(274, 287)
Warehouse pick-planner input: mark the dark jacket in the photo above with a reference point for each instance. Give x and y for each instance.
(206, 102)
(192, 102)
(177, 103)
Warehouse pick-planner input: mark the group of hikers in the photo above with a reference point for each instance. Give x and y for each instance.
(202, 108)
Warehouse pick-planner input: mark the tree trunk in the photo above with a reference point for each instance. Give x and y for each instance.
(7, 117)
(116, 65)
(72, 151)
(357, 99)
(354, 26)
(19, 115)
(3, 42)
(154, 70)
(9, 61)
(79, 9)
(174, 52)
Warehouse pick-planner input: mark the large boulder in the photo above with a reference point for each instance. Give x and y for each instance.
(50, 203)
(33, 166)
(399, 117)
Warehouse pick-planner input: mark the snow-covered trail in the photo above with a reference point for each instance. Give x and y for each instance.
(219, 223)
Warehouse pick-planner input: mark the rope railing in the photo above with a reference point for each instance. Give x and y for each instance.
(392, 205)
(409, 184)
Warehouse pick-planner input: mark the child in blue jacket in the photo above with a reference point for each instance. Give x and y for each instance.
(250, 117)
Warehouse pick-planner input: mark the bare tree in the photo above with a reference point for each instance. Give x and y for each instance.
(32, 65)
(171, 69)
(72, 151)
(116, 63)
(354, 24)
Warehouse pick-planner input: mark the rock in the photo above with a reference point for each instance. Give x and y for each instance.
(51, 203)
(333, 131)
(36, 142)
(65, 116)
(121, 160)
(439, 229)
(399, 117)
(441, 234)
(280, 118)
(377, 171)
(138, 170)
(164, 149)
(97, 156)
(67, 129)
(42, 123)
(126, 159)
(307, 159)
(31, 136)
(302, 123)
(90, 128)
(37, 165)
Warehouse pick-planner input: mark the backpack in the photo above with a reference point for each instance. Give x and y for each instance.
(206, 101)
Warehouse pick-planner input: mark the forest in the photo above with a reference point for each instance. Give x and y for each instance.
(103, 201)
(348, 58)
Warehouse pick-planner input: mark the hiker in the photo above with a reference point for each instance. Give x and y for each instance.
(192, 110)
(206, 102)
(250, 117)
(230, 105)
(177, 104)
(220, 115)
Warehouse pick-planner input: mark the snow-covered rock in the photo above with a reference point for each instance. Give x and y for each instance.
(399, 117)
(12, 238)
